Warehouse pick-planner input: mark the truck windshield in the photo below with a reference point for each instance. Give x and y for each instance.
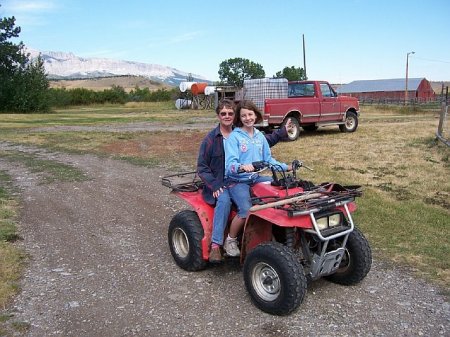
(301, 90)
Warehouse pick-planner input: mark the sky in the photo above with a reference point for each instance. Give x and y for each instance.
(345, 40)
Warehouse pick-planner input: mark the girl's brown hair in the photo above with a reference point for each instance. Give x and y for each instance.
(249, 105)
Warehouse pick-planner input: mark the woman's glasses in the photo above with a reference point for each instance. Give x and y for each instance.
(223, 114)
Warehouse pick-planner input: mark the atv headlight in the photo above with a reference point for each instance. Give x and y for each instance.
(329, 221)
(322, 223)
(334, 220)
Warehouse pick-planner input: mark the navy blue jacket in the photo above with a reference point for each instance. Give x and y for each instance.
(211, 160)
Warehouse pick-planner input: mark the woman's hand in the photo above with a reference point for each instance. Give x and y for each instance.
(217, 193)
(289, 125)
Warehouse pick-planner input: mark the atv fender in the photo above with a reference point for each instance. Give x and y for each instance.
(256, 231)
(205, 213)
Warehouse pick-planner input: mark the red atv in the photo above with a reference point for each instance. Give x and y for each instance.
(296, 232)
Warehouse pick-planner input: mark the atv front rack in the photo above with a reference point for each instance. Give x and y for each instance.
(326, 201)
(182, 182)
(321, 198)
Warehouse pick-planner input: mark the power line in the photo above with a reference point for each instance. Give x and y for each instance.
(424, 59)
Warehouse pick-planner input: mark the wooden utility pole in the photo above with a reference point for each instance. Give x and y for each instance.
(406, 78)
(304, 57)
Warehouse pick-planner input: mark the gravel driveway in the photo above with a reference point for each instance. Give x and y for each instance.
(100, 266)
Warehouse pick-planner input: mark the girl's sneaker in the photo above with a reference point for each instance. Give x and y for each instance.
(231, 247)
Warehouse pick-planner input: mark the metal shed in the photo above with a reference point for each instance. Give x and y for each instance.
(419, 89)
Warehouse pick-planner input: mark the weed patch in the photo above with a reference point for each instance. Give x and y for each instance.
(408, 232)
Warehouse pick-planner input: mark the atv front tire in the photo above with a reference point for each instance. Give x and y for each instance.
(274, 278)
(356, 262)
(185, 241)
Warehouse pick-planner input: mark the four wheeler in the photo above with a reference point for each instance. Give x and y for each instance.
(295, 232)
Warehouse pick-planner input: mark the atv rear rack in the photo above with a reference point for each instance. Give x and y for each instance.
(182, 182)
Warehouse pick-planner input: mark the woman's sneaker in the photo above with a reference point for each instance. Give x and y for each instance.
(231, 247)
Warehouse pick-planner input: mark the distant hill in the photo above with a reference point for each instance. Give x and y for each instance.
(102, 83)
(60, 65)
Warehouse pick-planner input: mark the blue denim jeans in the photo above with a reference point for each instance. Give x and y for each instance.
(240, 193)
(221, 214)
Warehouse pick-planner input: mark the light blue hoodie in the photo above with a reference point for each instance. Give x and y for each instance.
(241, 149)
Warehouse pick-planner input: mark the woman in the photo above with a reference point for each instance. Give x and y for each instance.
(245, 145)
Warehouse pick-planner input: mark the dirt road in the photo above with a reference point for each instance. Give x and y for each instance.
(100, 266)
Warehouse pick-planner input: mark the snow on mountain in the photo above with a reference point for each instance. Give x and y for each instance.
(62, 65)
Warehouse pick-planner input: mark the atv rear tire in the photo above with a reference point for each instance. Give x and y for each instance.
(185, 241)
(274, 278)
(356, 262)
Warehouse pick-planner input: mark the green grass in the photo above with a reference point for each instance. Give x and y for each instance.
(11, 258)
(7, 210)
(161, 112)
(49, 169)
(407, 231)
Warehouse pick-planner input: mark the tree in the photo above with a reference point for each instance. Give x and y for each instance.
(30, 87)
(292, 74)
(24, 84)
(235, 70)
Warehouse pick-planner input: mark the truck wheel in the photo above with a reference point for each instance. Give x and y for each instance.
(356, 262)
(351, 123)
(274, 278)
(294, 133)
(185, 241)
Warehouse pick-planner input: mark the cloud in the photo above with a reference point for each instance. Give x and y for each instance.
(31, 7)
(184, 37)
(31, 13)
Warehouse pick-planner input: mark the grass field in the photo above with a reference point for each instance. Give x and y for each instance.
(405, 209)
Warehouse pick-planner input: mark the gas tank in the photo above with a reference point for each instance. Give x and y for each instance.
(265, 189)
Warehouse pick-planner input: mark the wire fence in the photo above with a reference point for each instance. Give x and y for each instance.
(412, 102)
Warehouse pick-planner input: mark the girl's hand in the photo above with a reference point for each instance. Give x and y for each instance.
(246, 168)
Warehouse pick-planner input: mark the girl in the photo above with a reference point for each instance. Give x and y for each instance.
(245, 145)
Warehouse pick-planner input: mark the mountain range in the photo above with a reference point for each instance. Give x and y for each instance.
(62, 65)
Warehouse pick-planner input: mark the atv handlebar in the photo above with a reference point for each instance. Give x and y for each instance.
(261, 165)
(296, 164)
(280, 176)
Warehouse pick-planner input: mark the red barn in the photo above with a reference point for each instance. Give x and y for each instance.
(419, 89)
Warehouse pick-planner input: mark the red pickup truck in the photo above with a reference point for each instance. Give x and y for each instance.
(309, 104)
